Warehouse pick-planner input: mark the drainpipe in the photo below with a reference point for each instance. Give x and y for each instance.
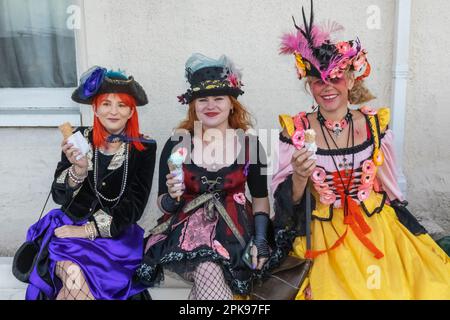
(400, 75)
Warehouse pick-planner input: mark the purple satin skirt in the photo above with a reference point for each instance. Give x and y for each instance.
(107, 264)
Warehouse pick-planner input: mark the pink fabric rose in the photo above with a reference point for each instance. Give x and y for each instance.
(343, 47)
(301, 121)
(234, 81)
(336, 73)
(369, 111)
(298, 139)
(321, 187)
(318, 176)
(367, 180)
(328, 197)
(221, 250)
(240, 198)
(360, 61)
(344, 63)
(369, 167)
(363, 194)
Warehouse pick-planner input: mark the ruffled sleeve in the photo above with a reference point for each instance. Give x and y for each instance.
(288, 216)
(286, 150)
(384, 117)
(387, 173)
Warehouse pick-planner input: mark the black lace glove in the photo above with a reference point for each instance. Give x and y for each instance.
(261, 225)
(169, 204)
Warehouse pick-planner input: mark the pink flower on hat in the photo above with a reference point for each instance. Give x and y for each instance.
(234, 81)
(336, 73)
(343, 47)
(359, 61)
(344, 63)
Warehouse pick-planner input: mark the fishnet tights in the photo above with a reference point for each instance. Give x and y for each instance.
(75, 286)
(209, 283)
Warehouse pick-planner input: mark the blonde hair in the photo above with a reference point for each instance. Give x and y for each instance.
(359, 94)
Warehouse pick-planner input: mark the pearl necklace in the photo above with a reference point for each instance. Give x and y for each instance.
(124, 178)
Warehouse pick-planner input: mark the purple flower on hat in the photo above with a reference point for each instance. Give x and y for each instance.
(93, 81)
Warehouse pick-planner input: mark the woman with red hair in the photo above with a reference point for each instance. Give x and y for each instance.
(91, 247)
(208, 221)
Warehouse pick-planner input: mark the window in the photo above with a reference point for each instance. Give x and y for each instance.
(38, 59)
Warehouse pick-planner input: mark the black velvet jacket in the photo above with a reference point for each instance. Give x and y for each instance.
(82, 204)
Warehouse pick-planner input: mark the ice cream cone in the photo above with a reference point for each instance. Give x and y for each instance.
(173, 168)
(310, 143)
(66, 130)
(310, 136)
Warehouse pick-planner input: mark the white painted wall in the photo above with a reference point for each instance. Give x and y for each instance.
(427, 142)
(152, 39)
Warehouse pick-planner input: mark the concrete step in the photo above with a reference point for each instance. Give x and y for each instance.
(156, 293)
(173, 287)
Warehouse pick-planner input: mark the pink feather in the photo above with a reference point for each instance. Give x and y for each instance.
(319, 36)
(336, 60)
(322, 33)
(331, 27)
(292, 43)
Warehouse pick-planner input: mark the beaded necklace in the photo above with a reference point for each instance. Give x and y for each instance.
(335, 126)
(124, 178)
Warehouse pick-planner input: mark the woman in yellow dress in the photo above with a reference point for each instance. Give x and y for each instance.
(365, 243)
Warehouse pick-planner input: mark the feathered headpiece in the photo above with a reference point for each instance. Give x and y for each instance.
(98, 80)
(317, 55)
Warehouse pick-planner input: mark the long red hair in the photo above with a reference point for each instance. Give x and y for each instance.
(100, 134)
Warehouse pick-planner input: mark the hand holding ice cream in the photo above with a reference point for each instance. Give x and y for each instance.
(76, 140)
(310, 143)
(175, 164)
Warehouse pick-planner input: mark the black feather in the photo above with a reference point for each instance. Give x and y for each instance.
(307, 32)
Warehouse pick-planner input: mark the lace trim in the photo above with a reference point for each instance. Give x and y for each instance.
(147, 274)
(118, 158)
(104, 222)
(62, 177)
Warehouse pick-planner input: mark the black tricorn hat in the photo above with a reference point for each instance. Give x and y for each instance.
(98, 80)
(210, 77)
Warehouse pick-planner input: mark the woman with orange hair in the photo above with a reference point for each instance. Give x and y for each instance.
(208, 221)
(91, 247)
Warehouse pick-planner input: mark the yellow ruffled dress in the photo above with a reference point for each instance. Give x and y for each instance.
(369, 256)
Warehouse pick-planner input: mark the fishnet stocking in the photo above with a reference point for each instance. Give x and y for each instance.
(75, 286)
(209, 283)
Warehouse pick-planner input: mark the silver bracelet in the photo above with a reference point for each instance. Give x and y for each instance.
(90, 231)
